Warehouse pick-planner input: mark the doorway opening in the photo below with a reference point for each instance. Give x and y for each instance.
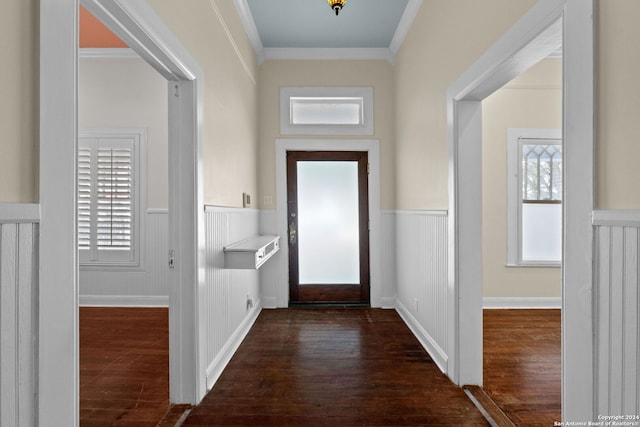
(328, 217)
(123, 230)
(534, 37)
(522, 243)
(133, 22)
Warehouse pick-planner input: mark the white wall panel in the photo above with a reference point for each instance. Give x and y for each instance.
(228, 316)
(389, 290)
(146, 286)
(18, 324)
(422, 278)
(617, 306)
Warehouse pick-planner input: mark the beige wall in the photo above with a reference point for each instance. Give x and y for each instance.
(212, 32)
(277, 74)
(120, 93)
(533, 100)
(19, 106)
(618, 100)
(447, 36)
(445, 39)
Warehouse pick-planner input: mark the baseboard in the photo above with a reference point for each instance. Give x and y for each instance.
(508, 302)
(220, 362)
(429, 344)
(388, 302)
(269, 302)
(124, 301)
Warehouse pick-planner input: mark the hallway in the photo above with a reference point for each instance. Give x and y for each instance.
(333, 367)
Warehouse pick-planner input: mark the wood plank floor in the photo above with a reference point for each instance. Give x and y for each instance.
(522, 370)
(333, 367)
(124, 366)
(319, 367)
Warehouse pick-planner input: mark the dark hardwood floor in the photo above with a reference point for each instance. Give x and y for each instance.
(333, 367)
(522, 370)
(318, 367)
(124, 366)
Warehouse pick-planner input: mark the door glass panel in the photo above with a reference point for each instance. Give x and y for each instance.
(328, 232)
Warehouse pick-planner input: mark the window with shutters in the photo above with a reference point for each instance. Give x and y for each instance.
(534, 197)
(109, 197)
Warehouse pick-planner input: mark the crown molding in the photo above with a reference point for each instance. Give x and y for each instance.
(404, 25)
(326, 54)
(112, 53)
(250, 28)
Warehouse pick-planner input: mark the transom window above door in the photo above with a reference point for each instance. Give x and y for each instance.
(326, 111)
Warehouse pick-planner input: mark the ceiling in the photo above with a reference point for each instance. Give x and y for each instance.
(93, 34)
(309, 29)
(313, 24)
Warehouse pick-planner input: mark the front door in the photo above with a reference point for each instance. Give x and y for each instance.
(328, 227)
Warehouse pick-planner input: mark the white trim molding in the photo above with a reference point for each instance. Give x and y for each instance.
(616, 218)
(57, 358)
(435, 351)
(216, 367)
(19, 212)
(402, 30)
(124, 301)
(107, 53)
(522, 303)
(318, 53)
(250, 28)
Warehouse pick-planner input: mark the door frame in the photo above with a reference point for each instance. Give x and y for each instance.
(372, 147)
(138, 25)
(519, 48)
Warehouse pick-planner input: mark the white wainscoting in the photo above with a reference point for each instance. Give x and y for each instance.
(228, 314)
(617, 304)
(421, 259)
(147, 286)
(18, 317)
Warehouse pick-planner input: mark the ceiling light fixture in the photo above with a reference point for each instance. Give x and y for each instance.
(337, 5)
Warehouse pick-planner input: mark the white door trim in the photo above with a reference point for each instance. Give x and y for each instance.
(372, 147)
(58, 374)
(528, 41)
(138, 25)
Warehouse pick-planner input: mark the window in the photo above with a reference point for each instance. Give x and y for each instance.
(326, 111)
(109, 197)
(534, 217)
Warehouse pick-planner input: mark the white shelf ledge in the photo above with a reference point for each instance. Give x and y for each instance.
(251, 253)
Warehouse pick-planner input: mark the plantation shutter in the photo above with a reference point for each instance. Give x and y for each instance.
(84, 198)
(115, 195)
(107, 176)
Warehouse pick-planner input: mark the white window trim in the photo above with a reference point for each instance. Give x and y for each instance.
(514, 196)
(288, 128)
(140, 197)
